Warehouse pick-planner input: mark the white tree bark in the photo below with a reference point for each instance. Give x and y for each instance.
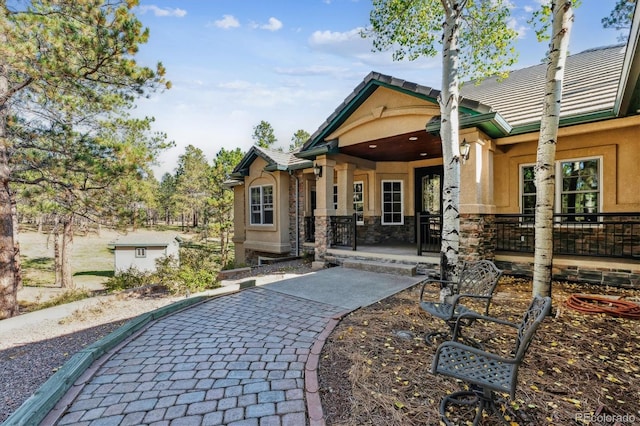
(449, 131)
(545, 164)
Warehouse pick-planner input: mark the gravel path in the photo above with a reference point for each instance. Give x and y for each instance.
(32, 353)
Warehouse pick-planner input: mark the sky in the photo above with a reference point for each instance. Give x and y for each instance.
(234, 63)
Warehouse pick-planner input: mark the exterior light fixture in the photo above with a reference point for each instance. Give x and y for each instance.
(373, 146)
(465, 149)
(317, 170)
(413, 138)
(423, 154)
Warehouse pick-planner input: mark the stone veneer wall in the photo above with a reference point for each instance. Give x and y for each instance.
(322, 237)
(563, 270)
(253, 255)
(373, 232)
(292, 214)
(477, 236)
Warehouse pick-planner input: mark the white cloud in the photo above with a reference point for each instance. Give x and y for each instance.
(528, 9)
(162, 12)
(517, 27)
(227, 21)
(320, 38)
(321, 70)
(273, 25)
(347, 44)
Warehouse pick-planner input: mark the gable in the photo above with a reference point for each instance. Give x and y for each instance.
(385, 113)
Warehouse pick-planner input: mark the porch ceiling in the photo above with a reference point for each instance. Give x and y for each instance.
(398, 147)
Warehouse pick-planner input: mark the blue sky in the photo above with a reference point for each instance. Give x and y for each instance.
(234, 63)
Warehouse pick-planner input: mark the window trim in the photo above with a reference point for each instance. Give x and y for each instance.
(382, 211)
(262, 205)
(557, 200)
(559, 177)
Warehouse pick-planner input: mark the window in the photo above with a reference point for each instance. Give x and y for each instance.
(358, 201)
(577, 188)
(335, 197)
(261, 205)
(392, 213)
(141, 252)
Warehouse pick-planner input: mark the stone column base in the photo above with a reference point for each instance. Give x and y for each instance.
(318, 264)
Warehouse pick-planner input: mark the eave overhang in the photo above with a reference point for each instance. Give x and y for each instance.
(364, 90)
(330, 147)
(628, 95)
(491, 123)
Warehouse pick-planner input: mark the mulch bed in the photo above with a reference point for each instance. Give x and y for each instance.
(580, 368)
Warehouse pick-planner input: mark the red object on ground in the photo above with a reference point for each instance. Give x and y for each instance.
(600, 304)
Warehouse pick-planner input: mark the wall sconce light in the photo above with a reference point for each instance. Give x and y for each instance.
(465, 149)
(317, 170)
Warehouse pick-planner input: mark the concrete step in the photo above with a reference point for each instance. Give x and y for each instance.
(382, 267)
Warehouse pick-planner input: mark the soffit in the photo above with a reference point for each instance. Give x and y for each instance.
(397, 148)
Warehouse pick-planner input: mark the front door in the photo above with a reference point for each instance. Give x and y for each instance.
(429, 190)
(428, 207)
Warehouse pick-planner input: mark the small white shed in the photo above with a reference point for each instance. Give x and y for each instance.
(140, 251)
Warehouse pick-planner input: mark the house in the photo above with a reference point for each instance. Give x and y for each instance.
(369, 178)
(140, 252)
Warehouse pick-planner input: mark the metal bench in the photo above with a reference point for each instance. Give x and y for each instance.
(486, 372)
(477, 281)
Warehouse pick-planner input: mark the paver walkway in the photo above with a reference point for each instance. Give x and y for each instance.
(234, 360)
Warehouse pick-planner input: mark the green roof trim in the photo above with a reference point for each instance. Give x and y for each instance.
(567, 121)
(328, 148)
(365, 89)
(491, 123)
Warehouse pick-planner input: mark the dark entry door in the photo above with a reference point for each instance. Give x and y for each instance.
(429, 190)
(428, 207)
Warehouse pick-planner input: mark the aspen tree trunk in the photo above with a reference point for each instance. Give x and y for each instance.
(67, 248)
(449, 131)
(545, 164)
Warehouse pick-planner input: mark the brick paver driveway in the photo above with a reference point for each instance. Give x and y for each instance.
(234, 360)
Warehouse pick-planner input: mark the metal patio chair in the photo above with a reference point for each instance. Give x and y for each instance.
(486, 372)
(477, 281)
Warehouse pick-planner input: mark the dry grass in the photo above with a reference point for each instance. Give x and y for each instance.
(577, 365)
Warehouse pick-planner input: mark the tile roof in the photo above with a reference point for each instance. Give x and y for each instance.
(280, 158)
(145, 239)
(591, 82)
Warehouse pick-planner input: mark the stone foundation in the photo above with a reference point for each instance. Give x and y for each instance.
(374, 232)
(253, 255)
(477, 236)
(588, 270)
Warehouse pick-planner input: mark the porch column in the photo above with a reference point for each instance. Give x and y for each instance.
(324, 209)
(345, 189)
(477, 208)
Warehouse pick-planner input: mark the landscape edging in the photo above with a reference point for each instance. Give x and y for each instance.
(38, 406)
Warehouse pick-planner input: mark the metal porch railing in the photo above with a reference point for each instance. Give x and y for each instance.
(601, 234)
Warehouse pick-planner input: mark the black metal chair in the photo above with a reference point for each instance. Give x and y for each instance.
(477, 281)
(486, 372)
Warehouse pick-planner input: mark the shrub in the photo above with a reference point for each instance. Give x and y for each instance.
(131, 278)
(197, 271)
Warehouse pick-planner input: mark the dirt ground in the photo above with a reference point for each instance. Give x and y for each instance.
(580, 369)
